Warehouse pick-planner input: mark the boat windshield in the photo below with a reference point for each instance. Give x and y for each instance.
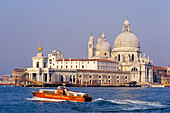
(61, 87)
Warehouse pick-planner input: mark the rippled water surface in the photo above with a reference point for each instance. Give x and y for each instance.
(105, 99)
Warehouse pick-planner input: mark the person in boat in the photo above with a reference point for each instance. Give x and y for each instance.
(64, 91)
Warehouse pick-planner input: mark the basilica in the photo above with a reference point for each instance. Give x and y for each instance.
(124, 64)
(126, 50)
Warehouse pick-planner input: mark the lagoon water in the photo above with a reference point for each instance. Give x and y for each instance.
(105, 99)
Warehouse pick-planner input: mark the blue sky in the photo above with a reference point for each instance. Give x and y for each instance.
(67, 24)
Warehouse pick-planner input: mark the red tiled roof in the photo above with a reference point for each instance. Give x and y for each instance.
(101, 60)
(159, 68)
(18, 70)
(100, 71)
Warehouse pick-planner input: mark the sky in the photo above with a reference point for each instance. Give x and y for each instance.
(66, 25)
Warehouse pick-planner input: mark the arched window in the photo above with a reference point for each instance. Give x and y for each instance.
(132, 57)
(125, 77)
(118, 57)
(70, 78)
(100, 76)
(80, 76)
(90, 76)
(109, 76)
(134, 69)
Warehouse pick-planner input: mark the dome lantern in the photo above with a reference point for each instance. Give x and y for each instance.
(126, 26)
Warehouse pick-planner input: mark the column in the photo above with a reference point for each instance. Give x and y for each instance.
(37, 76)
(72, 79)
(150, 75)
(48, 78)
(31, 77)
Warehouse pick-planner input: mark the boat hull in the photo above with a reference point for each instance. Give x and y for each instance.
(7, 84)
(62, 97)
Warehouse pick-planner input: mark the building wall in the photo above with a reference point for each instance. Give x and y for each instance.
(84, 64)
(92, 78)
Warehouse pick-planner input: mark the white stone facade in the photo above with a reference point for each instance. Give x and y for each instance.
(51, 69)
(126, 50)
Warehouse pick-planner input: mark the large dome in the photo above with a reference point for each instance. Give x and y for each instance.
(126, 39)
(103, 46)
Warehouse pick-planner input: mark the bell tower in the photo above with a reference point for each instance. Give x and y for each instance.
(91, 47)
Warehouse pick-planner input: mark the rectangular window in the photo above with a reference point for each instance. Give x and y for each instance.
(44, 64)
(37, 64)
(118, 57)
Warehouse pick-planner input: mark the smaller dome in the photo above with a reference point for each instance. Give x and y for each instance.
(103, 46)
(100, 39)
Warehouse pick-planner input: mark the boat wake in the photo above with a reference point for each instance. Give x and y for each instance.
(132, 104)
(44, 99)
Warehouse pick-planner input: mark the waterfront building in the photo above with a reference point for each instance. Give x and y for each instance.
(158, 73)
(126, 50)
(165, 81)
(168, 70)
(16, 74)
(76, 71)
(5, 79)
(123, 64)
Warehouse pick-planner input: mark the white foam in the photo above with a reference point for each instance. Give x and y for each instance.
(98, 99)
(116, 101)
(145, 103)
(44, 99)
(136, 102)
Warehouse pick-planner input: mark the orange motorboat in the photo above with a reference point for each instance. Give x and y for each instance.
(62, 94)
